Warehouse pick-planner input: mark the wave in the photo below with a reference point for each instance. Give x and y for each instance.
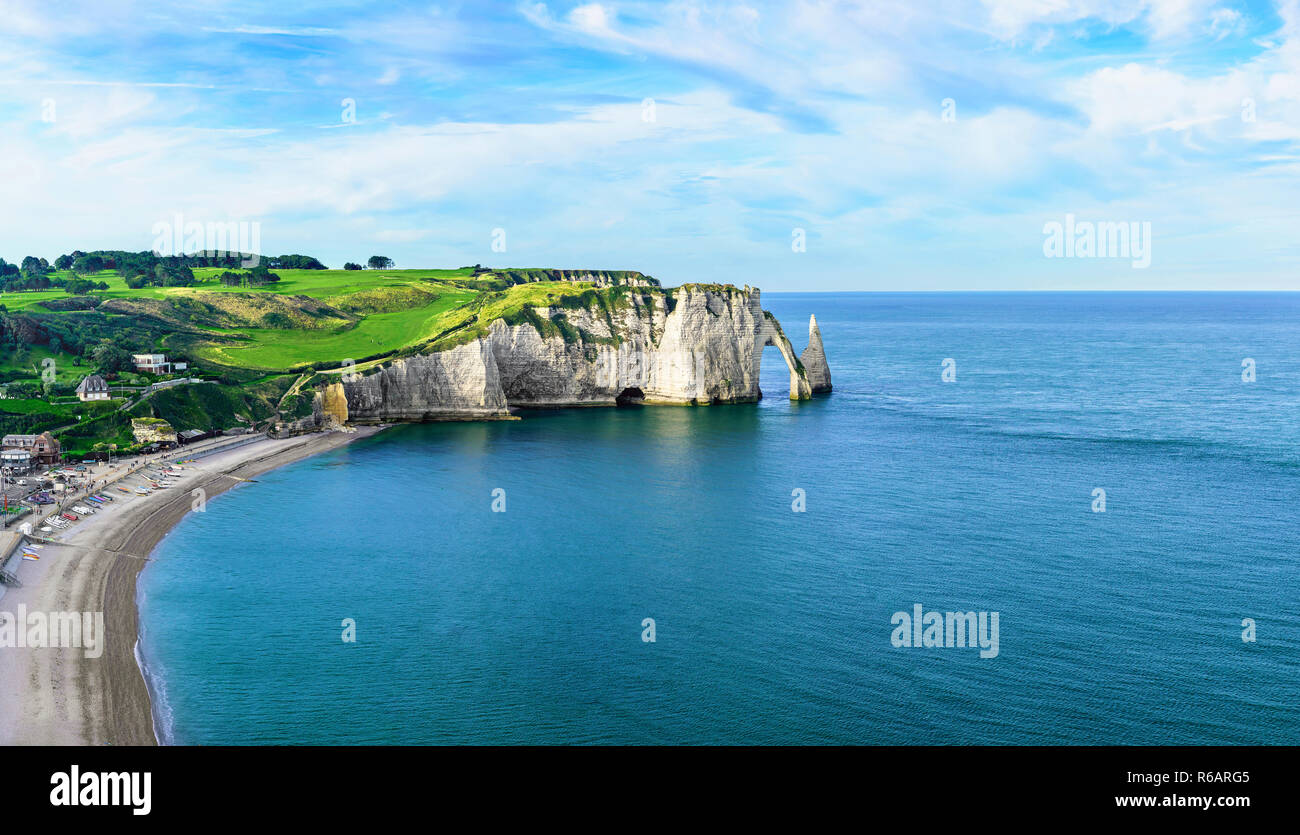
(164, 718)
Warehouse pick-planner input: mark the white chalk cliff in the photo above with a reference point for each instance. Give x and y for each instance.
(814, 359)
(693, 345)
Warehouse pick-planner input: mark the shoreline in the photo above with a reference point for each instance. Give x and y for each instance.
(61, 697)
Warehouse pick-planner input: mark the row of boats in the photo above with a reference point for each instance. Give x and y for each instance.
(159, 478)
(154, 479)
(89, 506)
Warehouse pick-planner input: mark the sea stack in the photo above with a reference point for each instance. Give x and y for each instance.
(814, 360)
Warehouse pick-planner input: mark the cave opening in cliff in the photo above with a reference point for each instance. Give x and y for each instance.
(630, 397)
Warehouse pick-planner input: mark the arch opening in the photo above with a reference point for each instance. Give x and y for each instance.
(773, 338)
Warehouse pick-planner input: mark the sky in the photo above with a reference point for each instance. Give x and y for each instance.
(796, 146)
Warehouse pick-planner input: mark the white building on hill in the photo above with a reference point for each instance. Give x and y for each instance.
(92, 388)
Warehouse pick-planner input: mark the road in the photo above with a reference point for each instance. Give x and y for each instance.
(101, 472)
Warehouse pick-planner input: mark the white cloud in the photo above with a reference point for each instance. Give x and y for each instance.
(817, 113)
(1165, 18)
(591, 18)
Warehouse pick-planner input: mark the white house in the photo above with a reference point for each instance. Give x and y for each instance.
(151, 363)
(92, 388)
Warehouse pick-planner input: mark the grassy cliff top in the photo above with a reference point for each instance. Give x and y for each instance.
(309, 319)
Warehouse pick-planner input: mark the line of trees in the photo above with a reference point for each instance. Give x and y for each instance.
(374, 262)
(256, 277)
(139, 269)
(37, 274)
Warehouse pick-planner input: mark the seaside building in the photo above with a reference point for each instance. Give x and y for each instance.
(42, 448)
(92, 388)
(151, 363)
(16, 461)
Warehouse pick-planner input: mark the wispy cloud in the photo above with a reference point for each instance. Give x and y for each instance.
(918, 145)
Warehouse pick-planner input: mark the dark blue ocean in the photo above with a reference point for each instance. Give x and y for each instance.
(773, 626)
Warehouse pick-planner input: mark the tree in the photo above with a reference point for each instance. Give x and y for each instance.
(260, 275)
(380, 262)
(87, 264)
(351, 266)
(294, 262)
(109, 358)
(173, 275)
(33, 266)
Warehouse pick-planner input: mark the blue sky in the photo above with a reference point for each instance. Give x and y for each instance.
(689, 140)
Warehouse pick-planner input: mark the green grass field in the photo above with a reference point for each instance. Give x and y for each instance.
(392, 309)
(26, 407)
(28, 363)
(376, 333)
(319, 284)
(322, 284)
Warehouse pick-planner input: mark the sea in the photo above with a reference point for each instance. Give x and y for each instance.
(1116, 476)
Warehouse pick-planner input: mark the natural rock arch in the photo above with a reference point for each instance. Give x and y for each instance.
(770, 333)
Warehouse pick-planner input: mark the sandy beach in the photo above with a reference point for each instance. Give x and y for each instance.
(54, 696)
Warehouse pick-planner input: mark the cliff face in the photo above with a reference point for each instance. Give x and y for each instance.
(695, 345)
(461, 383)
(152, 431)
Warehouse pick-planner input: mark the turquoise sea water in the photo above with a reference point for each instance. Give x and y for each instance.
(774, 626)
